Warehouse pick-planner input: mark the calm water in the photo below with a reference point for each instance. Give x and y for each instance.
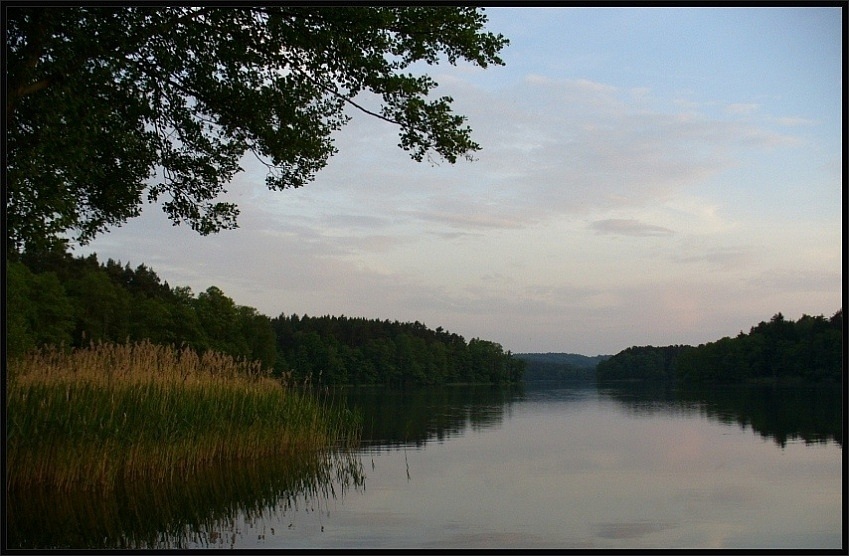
(555, 467)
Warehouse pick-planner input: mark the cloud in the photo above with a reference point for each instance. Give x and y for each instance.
(629, 529)
(628, 227)
(811, 281)
(345, 221)
(555, 147)
(640, 92)
(742, 108)
(724, 258)
(550, 147)
(516, 246)
(592, 86)
(468, 220)
(469, 212)
(794, 122)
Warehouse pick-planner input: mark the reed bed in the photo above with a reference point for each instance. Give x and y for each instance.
(143, 412)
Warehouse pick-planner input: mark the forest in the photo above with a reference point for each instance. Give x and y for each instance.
(548, 367)
(809, 349)
(54, 298)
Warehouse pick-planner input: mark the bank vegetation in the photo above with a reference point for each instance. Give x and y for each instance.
(114, 413)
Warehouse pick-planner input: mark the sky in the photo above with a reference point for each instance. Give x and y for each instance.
(648, 176)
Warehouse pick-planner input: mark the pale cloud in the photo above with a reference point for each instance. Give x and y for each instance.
(628, 227)
(550, 147)
(640, 92)
(794, 121)
(594, 87)
(786, 279)
(597, 153)
(723, 258)
(741, 108)
(629, 529)
(689, 105)
(536, 78)
(698, 215)
(467, 220)
(355, 221)
(682, 311)
(595, 206)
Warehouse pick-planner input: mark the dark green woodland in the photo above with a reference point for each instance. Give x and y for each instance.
(57, 299)
(54, 298)
(809, 349)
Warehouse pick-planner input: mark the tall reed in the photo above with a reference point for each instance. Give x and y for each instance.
(143, 412)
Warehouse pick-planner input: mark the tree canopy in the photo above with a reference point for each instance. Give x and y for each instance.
(60, 300)
(108, 107)
(809, 349)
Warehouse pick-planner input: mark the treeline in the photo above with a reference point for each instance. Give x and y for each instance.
(54, 298)
(809, 349)
(642, 363)
(344, 350)
(559, 366)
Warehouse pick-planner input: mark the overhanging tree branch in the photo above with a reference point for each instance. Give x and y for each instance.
(114, 93)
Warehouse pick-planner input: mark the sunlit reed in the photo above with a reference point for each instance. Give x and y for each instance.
(142, 412)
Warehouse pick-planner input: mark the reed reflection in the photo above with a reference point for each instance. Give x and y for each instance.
(207, 508)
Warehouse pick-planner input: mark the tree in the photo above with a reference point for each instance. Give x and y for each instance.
(150, 319)
(186, 327)
(219, 317)
(107, 105)
(38, 311)
(102, 308)
(257, 331)
(19, 336)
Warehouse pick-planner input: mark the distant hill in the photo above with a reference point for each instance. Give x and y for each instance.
(559, 366)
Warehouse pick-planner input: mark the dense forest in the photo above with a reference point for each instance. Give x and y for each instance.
(642, 363)
(345, 350)
(54, 298)
(559, 366)
(809, 349)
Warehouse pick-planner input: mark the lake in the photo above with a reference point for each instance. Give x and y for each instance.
(544, 466)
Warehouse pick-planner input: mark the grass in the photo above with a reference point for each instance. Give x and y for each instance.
(93, 417)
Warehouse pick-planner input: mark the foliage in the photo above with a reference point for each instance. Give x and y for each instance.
(37, 310)
(344, 350)
(810, 349)
(113, 413)
(58, 299)
(108, 105)
(642, 362)
(559, 366)
(80, 301)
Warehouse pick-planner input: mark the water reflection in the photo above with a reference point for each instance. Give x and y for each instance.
(812, 414)
(413, 417)
(570, 471)
(397, 418)
(212, 507)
